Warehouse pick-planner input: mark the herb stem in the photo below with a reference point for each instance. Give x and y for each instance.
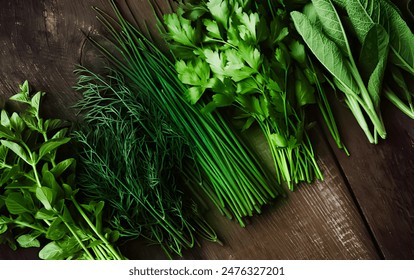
(76, 236)
(88, 221)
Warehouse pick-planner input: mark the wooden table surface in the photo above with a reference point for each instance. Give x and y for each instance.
(364, 209)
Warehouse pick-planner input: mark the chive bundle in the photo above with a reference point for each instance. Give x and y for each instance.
(238, 186)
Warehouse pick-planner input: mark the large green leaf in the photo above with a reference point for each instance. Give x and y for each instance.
(62, 167)
(3, 154)
(332, 24)
(5, 120)
(373, 60)
(3, 228)
(44, 214)
(45, 196)
(52, 251)
(57, 230)
(326, 51)
(5, 132)
(365, 13)
(17, 123)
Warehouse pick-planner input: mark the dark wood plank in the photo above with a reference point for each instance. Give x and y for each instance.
(42, 42)
(382, 176)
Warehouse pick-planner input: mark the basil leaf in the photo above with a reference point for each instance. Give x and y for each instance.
(52, 251)
(5, 120)
(5, 132)
(45, 196)
(17, 149)
(51, 145)
(57, 230)
(16, 204)
(62, 167)
(29, 240)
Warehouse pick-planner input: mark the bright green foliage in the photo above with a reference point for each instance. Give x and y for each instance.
(257, 65)
(232, 178)
(37, 189)
(385, 42)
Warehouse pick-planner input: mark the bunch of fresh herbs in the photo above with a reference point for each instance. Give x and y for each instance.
(357, 42)
(237, 184)
(38, 200)
(246, 54)
(134, 159)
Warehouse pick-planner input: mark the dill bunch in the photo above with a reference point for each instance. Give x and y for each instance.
(133, 159)
(238, 185)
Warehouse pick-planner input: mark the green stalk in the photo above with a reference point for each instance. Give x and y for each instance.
(92, 226)
(394, 99)
(152, 72)
(23, 224)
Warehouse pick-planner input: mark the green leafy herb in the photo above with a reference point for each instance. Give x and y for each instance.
(337, 57)
(251, 60)
(135, 160)
(238, 186)
(380, 30)
(38, 191)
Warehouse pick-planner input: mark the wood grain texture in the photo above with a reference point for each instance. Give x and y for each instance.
(318, 221)
(41, 41)
(382, 179)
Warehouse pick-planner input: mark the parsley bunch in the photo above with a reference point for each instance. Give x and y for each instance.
(245, 54)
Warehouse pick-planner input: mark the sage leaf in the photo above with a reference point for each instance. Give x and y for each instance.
(365, 13)
(332, 24)
(373, 60)
(325, 50)
(398, 77)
